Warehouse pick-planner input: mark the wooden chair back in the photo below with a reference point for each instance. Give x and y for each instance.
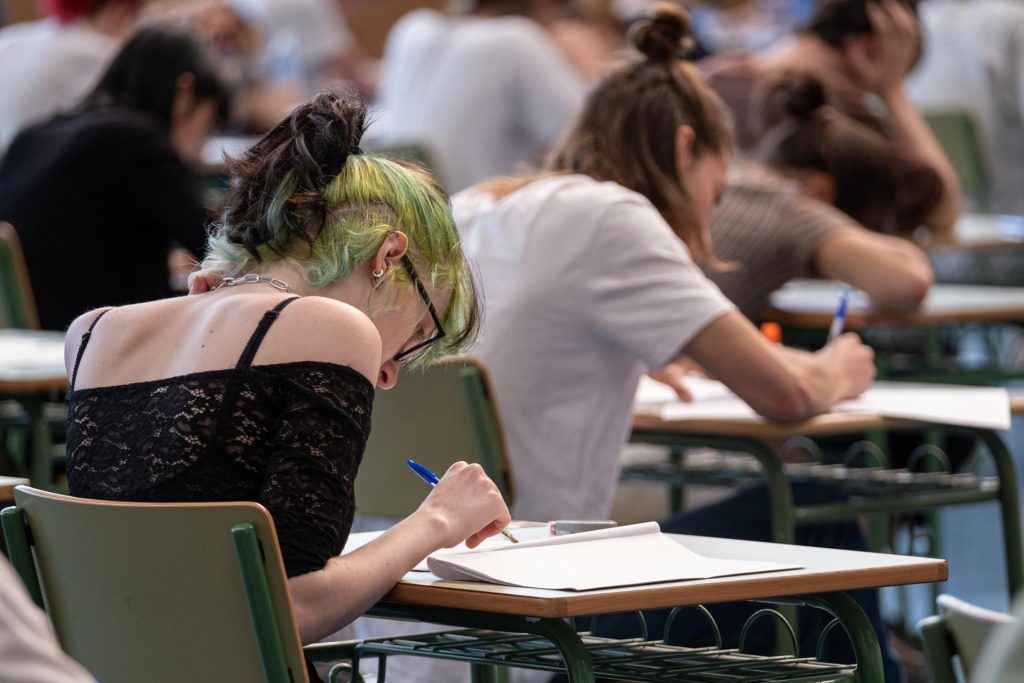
(158, 592)
(17, 305)
(436, 416)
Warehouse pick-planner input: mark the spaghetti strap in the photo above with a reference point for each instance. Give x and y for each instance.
(245, 360)
(81, 347)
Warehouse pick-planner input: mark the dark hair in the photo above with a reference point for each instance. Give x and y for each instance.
(144, 74)
(308, 194)
(835, 20)
(805, 133)
(627, 129)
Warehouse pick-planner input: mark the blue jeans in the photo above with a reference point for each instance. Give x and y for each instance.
(746, 515)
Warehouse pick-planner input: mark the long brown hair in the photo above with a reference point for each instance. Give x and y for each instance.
(804, 133)
(627, 129)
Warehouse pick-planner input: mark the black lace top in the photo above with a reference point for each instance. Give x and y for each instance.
(289, 436)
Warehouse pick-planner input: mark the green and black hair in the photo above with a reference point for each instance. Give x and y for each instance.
(308, 194)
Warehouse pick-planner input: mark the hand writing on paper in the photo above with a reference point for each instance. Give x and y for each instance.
(467, 505)
(209, 274)
(674, 375)
(854, 361)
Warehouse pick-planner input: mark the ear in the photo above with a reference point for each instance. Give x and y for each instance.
(820, 186)
(184, 96)
(390, 252)
(685, 138)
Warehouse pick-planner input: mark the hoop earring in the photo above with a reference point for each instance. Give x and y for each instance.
(378, 274)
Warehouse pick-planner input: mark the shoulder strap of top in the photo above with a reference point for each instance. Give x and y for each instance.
(245, 360)
(82, 345)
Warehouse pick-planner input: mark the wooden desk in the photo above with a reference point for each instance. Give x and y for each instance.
(983, 232)
(7, 485)
(826, 575)
(811, 304)
(32, 369)
(900, 490)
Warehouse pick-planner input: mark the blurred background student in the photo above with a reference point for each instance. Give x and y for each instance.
(49, 64)
(99, 196)
(802, 211)
(485, 92)
(862, 51)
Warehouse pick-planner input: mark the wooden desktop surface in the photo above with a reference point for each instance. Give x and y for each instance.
(31, 362)
(822, 425)
(824, 570)
(982, 232)
(811, 304)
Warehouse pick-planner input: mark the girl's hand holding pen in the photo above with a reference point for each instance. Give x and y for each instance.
(853, 361)
(466, 505)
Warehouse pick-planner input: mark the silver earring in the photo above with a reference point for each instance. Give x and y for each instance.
(379, 273)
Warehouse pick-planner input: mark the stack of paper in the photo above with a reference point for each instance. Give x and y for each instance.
(983, 407)
(607, 558)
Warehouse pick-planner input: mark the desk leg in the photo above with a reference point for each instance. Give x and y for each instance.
(1009, 508)
(42, 446)
(861, 632)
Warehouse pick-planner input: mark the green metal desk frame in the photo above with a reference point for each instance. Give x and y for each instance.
(785, 515)
(582, 657)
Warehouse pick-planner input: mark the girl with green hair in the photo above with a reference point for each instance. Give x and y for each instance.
(341, 268)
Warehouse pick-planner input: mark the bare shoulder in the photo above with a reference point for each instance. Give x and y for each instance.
(321, 329)
(73, 338)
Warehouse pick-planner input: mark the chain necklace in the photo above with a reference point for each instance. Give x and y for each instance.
(253, 278)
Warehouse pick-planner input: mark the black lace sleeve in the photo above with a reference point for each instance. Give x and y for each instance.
(314, 455)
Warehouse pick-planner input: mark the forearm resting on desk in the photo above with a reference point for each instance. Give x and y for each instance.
(893, 271)
(465, 505)
(781, 383)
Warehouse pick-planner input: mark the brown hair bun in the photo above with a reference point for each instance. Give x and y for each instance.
(664, 34)
(792, 96)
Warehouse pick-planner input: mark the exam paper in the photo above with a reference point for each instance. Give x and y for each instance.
(982, 407)
(607, 558)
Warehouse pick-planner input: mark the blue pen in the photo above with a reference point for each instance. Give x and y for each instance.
(431, 478)
(840, 318)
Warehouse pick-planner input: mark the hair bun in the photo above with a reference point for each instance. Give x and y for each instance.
(792, 95)
(664, 34)
(328, 129)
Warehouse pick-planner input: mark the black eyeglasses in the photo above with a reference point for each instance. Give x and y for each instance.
(418, 350)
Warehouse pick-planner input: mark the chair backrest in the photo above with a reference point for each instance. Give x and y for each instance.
(958, 134)
(960, 630)
(436, 416)
(17, 305)
(158, 591)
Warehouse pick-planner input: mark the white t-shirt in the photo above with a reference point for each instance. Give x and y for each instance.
(28, 647)
(974, 62)
(45, 68)
(585, 286)
(484, 96)
(309, 32)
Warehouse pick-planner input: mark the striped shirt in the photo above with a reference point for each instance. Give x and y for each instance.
(769, 232)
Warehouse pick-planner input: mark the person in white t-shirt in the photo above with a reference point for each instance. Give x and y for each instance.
(28, 648)
(48, 65)
(484, 93)
(590, 280)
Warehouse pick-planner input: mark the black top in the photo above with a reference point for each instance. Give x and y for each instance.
(289, 436)
(97, 199)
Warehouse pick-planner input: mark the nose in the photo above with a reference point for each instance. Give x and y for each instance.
(387, 376)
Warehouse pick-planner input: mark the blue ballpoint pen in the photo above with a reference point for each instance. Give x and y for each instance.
(431, 478)
(840, 318)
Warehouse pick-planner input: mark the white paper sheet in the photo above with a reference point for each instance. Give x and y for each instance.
(983, 407)
(621, 556)
(30, 353)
